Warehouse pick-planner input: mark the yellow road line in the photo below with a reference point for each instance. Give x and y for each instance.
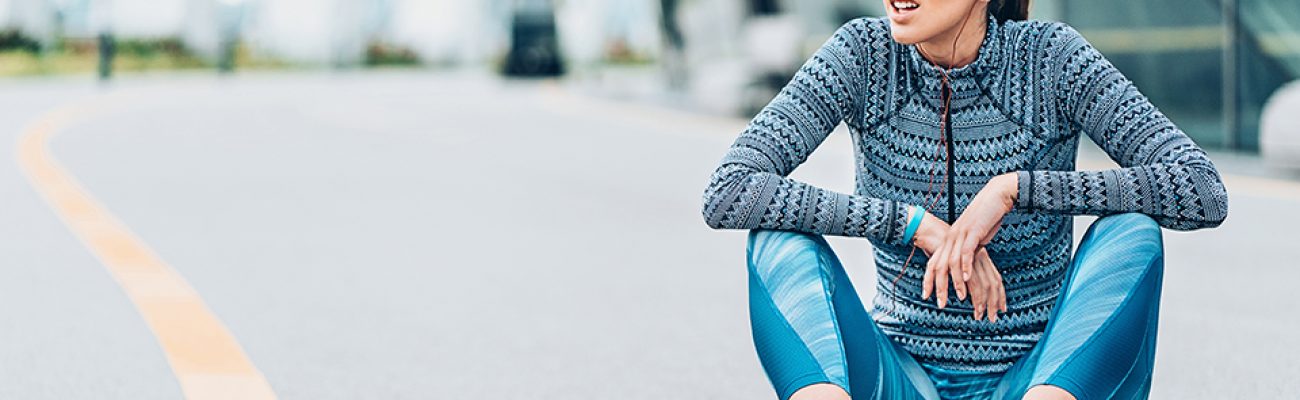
(206, 358)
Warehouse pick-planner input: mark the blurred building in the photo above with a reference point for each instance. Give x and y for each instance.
(1210, 65)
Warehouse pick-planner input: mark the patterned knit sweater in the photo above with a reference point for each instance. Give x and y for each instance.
(1020, 106)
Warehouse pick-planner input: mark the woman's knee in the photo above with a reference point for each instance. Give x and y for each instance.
(1048, 392)
(1126, 227)
(1122, 241)
(768, 249)
(820, 391)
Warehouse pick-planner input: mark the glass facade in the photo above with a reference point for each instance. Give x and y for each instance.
(1208, 64)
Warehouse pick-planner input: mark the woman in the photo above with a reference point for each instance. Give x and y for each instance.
(965, 119)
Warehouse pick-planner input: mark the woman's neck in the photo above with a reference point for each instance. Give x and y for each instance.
(939, 50)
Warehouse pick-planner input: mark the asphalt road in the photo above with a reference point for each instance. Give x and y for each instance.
(420, 235)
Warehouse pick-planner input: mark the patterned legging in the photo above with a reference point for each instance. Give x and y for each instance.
(810, 326)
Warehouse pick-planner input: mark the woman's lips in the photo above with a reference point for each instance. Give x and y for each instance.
(901, 11)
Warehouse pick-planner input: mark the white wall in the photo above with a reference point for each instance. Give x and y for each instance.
(449, 30)
(587, 28)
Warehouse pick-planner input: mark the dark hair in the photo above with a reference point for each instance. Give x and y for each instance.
(1005, 10)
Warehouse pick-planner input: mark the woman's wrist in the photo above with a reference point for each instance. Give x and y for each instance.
(1008, 188)
(929, 232)
(915, 215)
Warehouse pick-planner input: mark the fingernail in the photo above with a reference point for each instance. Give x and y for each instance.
(965, 276)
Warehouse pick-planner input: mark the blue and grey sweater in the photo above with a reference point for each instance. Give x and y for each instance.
(1020, 107)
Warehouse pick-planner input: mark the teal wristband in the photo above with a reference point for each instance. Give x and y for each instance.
(917, 214)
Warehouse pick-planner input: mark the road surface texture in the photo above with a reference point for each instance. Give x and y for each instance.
(417, 235)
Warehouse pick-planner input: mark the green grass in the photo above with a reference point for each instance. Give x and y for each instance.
(81, 56)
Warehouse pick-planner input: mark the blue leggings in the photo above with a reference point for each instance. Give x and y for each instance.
(1099, 342)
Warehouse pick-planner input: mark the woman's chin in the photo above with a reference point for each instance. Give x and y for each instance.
(902, 36)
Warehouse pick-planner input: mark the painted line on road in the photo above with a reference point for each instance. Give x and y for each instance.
(206, 358)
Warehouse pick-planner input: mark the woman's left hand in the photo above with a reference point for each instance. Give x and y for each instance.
(979, 222)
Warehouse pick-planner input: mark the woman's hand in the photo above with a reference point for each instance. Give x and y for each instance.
(930, 237)
(986, 290)
(930, 234)
(977, 225)
(987, 294)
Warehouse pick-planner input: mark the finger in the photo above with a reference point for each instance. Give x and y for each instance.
(970, 244)
(1002, 287)
(999, 303)
(932, 274)
(978, 293)
(940, 278)
(980, 278)
(954, 268)
(954, 249)
(927, 283)
(1002, 290)
(995, 290)
(982, 271)
(958, 284)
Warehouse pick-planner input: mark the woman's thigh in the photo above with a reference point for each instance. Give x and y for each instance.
(1100, 341)
(810, 326)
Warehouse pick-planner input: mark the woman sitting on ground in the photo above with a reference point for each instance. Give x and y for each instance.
(965, 119)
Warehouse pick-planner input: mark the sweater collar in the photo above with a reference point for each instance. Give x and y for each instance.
(984, 62)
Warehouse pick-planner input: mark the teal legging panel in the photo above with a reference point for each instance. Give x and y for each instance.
(810, 326)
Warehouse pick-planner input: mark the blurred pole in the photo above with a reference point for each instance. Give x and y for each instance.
(100, 13)
(106, 51)
(1232, 35)
(675, 55)
(230, 15)
(226, 55)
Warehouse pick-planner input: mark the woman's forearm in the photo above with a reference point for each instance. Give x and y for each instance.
(1163, 173)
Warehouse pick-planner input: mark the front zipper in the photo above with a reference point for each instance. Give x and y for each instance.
(947, 130)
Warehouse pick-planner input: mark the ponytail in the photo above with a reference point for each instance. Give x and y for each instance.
(1003, 10)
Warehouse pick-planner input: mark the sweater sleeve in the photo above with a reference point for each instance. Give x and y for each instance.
(1162, 172)
(750, 188)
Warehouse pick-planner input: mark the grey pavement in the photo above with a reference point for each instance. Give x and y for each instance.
(421, 235)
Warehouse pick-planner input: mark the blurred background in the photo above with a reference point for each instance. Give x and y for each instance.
(1211, 65)
(342, 199)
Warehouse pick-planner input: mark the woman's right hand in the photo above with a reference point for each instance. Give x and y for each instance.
(986, 288)
(987, 294)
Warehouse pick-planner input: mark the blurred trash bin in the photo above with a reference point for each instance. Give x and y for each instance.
(534, 43)
(1279, 127)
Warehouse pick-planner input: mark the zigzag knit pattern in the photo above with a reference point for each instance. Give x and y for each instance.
(1021, 107)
